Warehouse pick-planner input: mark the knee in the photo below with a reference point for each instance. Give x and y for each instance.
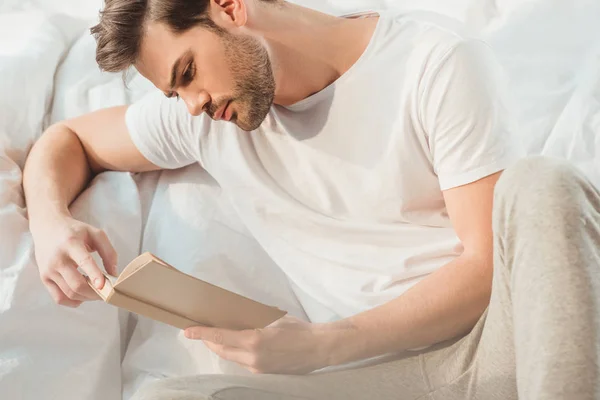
(200, 387)
(151, 391)
(166, 389)
(538, 183)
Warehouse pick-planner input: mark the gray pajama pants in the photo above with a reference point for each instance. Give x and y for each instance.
(539, 338)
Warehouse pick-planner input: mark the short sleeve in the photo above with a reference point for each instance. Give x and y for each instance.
(463, 110)
(165, 132)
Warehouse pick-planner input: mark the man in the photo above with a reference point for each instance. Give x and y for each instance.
(364, 155)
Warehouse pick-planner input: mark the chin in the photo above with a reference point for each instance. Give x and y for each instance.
(247, 128)
(245, 125)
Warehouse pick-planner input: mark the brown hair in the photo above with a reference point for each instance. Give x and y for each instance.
(122, 23)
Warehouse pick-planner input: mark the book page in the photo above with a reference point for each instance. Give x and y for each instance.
(135, 265)
(107, 289)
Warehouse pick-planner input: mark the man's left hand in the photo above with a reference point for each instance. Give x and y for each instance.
(288, 346)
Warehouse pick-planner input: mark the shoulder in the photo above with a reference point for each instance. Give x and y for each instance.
(431, 38)
(155, 101)
(432, 25)
(168, 115)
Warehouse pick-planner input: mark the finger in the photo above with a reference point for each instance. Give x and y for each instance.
(83, 259)
(62, 293)
(226, 337)
(60, 298)
(77, 282)
(239, 356)
(106, 250)
(287, 321)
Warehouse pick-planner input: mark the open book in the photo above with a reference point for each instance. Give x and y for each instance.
(150, 287)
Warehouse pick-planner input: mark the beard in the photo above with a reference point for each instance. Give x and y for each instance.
(254, 81)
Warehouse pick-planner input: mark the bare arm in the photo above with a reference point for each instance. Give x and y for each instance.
(70, 153)
(59, 167)
(445, 304)
(462, 110)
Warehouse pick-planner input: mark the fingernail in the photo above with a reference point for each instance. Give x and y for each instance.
(98, 283)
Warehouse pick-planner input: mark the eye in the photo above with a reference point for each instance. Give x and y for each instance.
(188, 74)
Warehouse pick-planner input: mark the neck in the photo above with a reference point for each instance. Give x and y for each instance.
(309, 50)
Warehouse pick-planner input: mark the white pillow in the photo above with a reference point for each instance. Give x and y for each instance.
(31, 47)
(82, 87)
(459, 9)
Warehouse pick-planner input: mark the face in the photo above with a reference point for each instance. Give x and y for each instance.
(227, 76)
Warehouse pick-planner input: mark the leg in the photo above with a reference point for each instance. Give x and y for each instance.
(548, 226)
(396, 380)
(544, 303)
(540, 336)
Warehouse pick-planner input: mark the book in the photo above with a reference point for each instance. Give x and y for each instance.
(150, 287)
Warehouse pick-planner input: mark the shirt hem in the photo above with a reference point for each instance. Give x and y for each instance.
(465, 178)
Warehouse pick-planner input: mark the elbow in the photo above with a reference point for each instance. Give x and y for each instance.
(50, 149)
(483, 270)
(481, 266)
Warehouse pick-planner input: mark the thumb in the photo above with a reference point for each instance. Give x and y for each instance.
(106, 251)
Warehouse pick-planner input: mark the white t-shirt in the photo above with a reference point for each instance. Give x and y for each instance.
(344, 189)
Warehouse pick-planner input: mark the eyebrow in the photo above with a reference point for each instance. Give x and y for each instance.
(175, 68)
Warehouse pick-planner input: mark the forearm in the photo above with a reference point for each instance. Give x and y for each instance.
(55, 173)
(445, 304)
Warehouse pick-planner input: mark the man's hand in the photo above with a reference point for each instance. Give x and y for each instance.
(289, 346)
(59, 167)
(64, 245)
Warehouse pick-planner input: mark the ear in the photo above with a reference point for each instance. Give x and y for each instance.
(229, 14)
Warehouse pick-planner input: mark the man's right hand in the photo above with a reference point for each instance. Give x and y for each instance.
(59, 167)
(65, 245)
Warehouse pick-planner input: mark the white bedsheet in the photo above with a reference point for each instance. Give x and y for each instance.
(551, 51)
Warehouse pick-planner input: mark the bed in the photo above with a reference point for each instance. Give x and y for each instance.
(550, 50)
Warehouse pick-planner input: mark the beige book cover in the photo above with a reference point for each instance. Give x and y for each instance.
(150, 287)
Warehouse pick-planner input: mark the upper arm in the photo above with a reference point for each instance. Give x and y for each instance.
(471, 139)
(470, 210)
(150, 134)
(105, 139)
(464, 114)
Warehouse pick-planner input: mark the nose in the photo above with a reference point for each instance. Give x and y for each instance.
(195, 102)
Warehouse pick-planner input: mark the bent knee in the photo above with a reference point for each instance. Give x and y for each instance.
(153, 391)
(168, 389)
(539, 180)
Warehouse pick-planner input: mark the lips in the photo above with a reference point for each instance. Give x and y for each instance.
(220, 113)
(228, 113)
